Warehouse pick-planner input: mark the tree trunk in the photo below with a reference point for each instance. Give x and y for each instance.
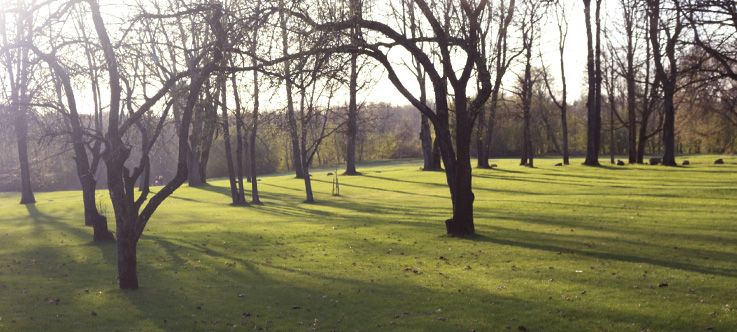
(291, 118)
(599, 78)
(528, 39)
(564, 125)
(482, 151)
(611, 130)
(427, 144)
(207, 144)
(489, 135)
(646, 110)
(239, 150)
(593, 116)
(235, 196)
(21, 134)
(127, 266)
(352, 131)
(669, 142)
(310, 198)
(193, 175)
(255, 198)
(92, 216)
(145, 182)
(436, 162)
(631, 103)
(195, 142)
(501, 66)
(460, 169)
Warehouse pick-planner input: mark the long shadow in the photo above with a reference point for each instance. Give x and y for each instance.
(406, 181)
(383, 189)
(187, 199)
(385, 294)
(42, 221)
(532, 240)
(529, 180)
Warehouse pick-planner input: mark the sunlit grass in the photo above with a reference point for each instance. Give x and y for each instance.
(559, 248)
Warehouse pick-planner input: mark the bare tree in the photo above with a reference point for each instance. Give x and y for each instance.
(502, 59)
(412, 27)
(291, 117)
(463, 34)
(649, 100)
(133, 212)
(356, 9)
(666, 22)
(529, 27)
(714, 24)
(18, 66)
(562, 103)
(593, 102)
(255, 197)
(629, 10)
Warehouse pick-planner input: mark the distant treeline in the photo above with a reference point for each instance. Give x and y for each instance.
(387, 132)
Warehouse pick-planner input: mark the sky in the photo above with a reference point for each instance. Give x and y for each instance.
(382, 90)
(574, 56)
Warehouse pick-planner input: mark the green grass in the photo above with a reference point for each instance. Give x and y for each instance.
(560, 249)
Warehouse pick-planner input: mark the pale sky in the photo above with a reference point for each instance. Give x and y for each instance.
(575, 57)
(384, 91)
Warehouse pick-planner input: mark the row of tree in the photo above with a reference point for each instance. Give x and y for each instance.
(201, 70)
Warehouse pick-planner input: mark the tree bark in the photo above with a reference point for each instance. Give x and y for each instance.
(352, 131)
(528, 38)
(564, 125)
(193, 176)
(236, 198)
(255, 197)
(491, 121)
(482, 151)
(612, 109)
(427, 144)
(291, 117)
(239, 149)
(127, 265)
(501, 65)
(21, 135)
(436, 158)
(208, 138)
(593, 115)
(462, 222)
(668, 79)
(646, 107)
(669, 142)
(564, 97)
(630, 79)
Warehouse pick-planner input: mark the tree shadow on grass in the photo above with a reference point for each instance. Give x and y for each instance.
(289, 293)
(572, 245)
(382, 189)
(530, 180)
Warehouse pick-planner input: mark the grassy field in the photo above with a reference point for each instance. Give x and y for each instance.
(560, 249)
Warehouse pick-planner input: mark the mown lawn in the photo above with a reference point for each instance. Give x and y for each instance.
(560, 249)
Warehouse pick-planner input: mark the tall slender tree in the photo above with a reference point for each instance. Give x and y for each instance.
(19, 67)
(502, 59)
(593, 128)
(562, 102)
(667, 77)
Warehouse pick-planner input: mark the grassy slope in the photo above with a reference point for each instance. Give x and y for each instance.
(562, 249)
